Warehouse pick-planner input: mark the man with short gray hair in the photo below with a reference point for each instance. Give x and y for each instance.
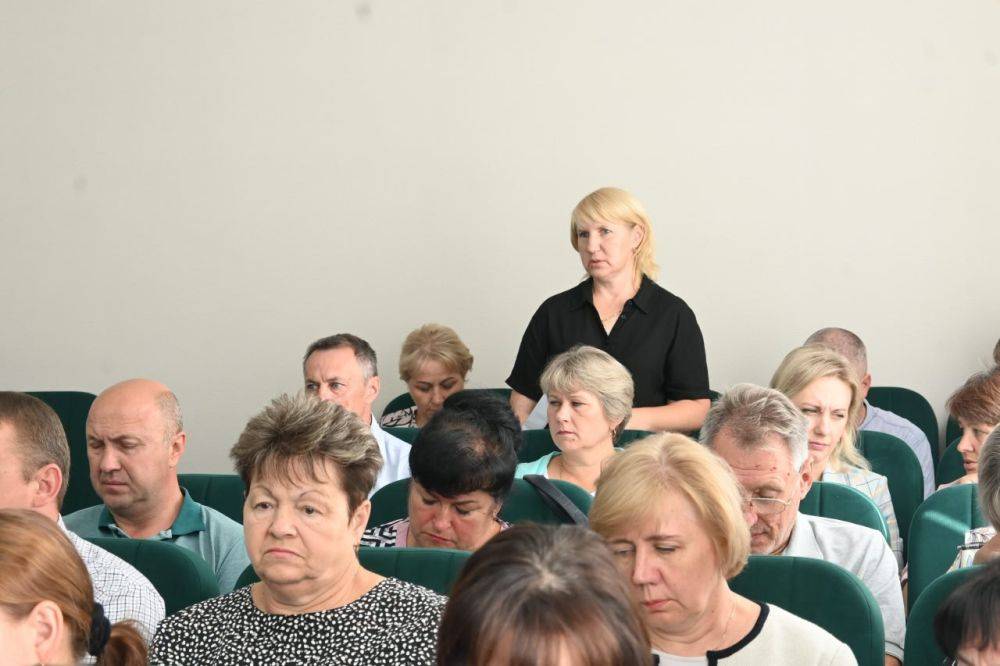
(764, 438)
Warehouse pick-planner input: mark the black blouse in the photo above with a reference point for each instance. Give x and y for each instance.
(656, 337)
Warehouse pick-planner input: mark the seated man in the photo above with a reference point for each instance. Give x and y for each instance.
(872, 418)
(34, 472)
(764, 438)
(343, 369)
(135, 438)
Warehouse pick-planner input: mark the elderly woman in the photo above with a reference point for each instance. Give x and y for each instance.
(47, 609)
(981, 544)
(308, 467)
(673, 516)
(540, 594)
(620, 309)
(462, 464)
(822, 384)
(976, 407)
(434, 364)
(590, 397)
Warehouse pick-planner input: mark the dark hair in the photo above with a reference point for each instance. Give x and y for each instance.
(970, 616)
(362, 351)
(535, 590)
(38, 433)
(470, 444)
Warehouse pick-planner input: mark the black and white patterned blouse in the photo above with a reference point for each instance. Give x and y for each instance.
(404, 418)
(394, 623)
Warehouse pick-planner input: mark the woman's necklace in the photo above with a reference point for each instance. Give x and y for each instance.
(725, 630)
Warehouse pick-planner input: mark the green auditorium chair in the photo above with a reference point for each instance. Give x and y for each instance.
(952, 430)
(822, 593)
(181, 576)
(921, 648)
(405, 400)
(222, 492)
(950, 467)
(895, 460)
(911, 406)
(538, 443)
(433, 568)
(523, 504)
(938, 529)
(408, 435)
(835, 500)
(72, 408)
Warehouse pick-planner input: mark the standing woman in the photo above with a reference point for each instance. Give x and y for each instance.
(621, 310)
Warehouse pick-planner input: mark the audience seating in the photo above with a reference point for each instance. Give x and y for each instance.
(911, 406)
(538, 443)
(921, 648)
(895, 460)
(433, 568)
(822, 593)
(72, 408)
(835, 500)
(952, 430)
(181, 576)
(950, 467)
(405, 400)
(938, 528)
(222, 492)
(408, 435)
(524, 504)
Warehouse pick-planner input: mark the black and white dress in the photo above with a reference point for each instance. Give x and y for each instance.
(394, 623)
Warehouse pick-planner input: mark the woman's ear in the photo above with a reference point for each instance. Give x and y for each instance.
(359, 520)
(46, 620)
(638, 235)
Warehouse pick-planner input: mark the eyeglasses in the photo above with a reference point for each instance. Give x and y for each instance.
(765, 506)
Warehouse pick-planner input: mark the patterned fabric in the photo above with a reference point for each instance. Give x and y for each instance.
(404, 418)
(393, 534)
(393, 623)
(876, 487)
(974, 540)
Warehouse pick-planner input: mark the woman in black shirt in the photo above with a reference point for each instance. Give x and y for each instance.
(620, 309)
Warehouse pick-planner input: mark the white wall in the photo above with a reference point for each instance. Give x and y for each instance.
(193, 191)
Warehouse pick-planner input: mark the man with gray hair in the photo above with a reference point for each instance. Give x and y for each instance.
(764, 439)
(135, 440)
(850, 346)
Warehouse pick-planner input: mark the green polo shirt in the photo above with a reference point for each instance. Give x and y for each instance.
(211, 534)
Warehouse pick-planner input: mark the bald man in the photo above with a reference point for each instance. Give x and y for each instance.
(135, 438)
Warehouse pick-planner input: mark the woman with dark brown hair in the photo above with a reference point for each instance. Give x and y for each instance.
(538, 594)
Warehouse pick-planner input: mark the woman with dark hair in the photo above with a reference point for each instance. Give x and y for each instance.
(462, 465)
(540, 594)
(967, 625)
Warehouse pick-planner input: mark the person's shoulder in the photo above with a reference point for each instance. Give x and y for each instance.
(382, 536)
(217, 521)
(403, 418)
(835, 532)
(800, 634)
(409, 602)
(564, 299)
(661, 298)
(206, 611)
(538, 466)
(84, 521)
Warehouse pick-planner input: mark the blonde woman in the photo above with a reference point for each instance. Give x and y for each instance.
(619, 308)
(822, 384)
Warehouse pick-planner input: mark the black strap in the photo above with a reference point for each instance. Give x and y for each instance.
(557, 500)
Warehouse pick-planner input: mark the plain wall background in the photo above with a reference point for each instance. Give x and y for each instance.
(194, 191)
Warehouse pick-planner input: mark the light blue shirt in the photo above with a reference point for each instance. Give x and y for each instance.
(395, 457)
(880, 420)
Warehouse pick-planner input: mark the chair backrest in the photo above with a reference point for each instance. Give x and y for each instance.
(952, 430)
(72, 408)
(408, 435)
(921, 649)
(222, 492)
(538, 443)
(938, 528)
(911, 406)
(822, 593)
(433, 568)
(404, 400)
(181, 576)
(950, 467)
(895, 460)
(835, 500)
(523, 504)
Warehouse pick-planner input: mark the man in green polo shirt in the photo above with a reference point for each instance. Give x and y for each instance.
(135, 438)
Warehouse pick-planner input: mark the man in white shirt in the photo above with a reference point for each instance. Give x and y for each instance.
(343, 369)
(850, 346)
(764, 438)
(34, 473)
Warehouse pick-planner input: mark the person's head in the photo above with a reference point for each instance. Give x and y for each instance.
(540, 594)
(590, 398)
(976, 407)
(765, 440)
(308, 467)
(851, 347)
(434, 364)
(967, 624)
(47, 610)
(989, 479)
(821, 383)
(671, 513)
(135, 439)
(462, 465)
(343, 369)
(34, 455)
(612, 233)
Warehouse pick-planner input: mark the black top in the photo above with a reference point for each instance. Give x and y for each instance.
(656, 337)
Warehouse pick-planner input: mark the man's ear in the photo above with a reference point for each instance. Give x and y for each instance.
(47, 483)
(374, 387)
(865, 384)
(805, 479)
(178, 444)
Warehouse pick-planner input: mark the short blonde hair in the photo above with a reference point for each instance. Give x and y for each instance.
(804, 365)
(434, 342)
(585, 368)
(633, 481)
(610, 204)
